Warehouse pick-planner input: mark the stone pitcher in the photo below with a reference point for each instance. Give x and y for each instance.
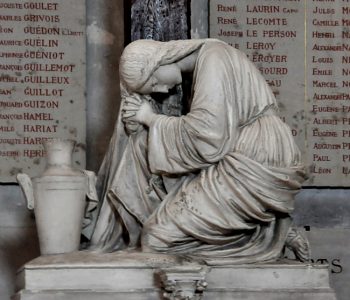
(58, 198)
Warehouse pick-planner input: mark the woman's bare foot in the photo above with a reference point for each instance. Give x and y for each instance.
(298, 244)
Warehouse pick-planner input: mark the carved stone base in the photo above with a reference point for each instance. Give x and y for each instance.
(139, 276)
(183, 283)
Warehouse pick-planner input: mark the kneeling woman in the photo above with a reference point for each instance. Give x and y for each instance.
(216, 183)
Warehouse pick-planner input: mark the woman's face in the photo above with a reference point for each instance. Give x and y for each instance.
(162, 80)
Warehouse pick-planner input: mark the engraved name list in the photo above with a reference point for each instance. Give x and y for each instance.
(42, 81)
(302, 48)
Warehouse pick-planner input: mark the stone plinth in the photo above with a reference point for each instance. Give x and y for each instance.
(139, 276)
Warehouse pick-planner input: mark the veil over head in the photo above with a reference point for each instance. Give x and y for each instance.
(141, 58)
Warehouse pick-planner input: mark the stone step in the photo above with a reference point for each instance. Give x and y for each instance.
(141, 276)
(210, 295)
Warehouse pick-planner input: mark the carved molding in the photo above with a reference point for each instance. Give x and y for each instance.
(183, 283)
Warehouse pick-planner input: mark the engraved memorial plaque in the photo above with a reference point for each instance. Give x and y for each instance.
(302, 49)
(42, 81)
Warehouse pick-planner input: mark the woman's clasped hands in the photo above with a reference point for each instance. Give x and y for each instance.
(136, 109)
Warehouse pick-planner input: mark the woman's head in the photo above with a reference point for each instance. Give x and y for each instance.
(148, 65)
(162, 80)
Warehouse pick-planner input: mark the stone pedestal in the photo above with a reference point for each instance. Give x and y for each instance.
(139, 276)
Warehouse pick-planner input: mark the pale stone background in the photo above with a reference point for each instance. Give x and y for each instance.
(326, 212)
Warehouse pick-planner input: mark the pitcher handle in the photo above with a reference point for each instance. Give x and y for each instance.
(27, 187)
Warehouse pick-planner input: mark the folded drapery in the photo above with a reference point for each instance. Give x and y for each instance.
(218, 182)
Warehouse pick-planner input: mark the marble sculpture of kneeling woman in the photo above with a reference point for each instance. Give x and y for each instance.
(217, 183)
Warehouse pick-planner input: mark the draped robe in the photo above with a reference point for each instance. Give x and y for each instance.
(217, 183)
